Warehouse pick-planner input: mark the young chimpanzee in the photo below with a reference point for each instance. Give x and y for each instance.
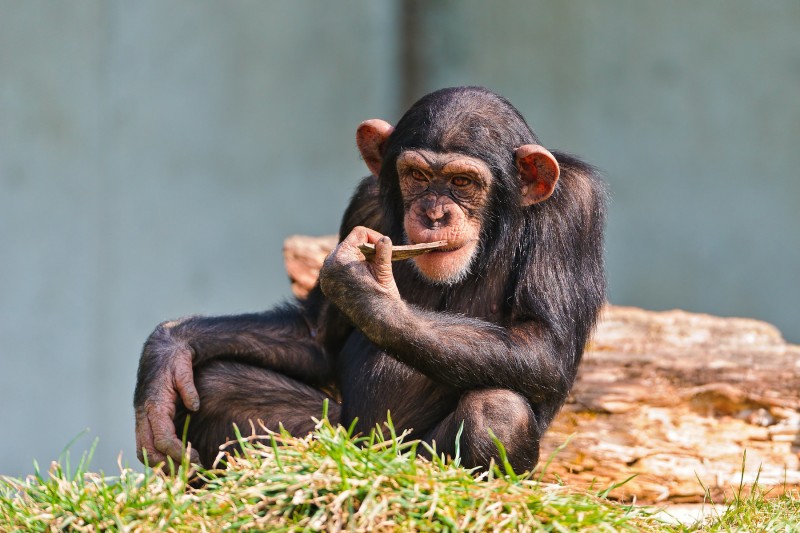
(487, 332)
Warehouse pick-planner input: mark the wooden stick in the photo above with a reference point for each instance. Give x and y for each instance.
(404, 251)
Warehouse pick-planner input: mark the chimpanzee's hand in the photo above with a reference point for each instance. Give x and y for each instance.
(347, 278)
(165, 372)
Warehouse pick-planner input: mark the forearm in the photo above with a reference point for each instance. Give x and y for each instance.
(281, 339)
(466, 352)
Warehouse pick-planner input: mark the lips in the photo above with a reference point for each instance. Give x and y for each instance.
(450, 248)
(447, 249)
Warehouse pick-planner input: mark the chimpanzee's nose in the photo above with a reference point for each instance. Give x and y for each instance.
(435, 211)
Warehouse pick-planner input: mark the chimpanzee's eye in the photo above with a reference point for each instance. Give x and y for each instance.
(461, 181)
(418, 175)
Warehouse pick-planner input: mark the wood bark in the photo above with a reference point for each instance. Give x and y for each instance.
(692, 405)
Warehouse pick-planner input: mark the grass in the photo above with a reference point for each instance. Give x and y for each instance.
(333, 481)
(752, 509)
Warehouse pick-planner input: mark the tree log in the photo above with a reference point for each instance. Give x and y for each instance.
(691, 404)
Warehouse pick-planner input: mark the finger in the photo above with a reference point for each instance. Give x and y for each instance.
(360, 235)
(164, 438)
(184, 382)
(144, 443)
(382, 262)
(374, 236)
(383, 250)
(348, 250)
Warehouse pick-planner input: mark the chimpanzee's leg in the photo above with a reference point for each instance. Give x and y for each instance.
(506, 413)
(237, 393)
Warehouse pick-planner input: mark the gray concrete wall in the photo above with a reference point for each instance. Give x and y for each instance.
(691, 110)
(153, 156)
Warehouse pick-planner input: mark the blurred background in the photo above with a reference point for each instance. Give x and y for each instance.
(154, 155)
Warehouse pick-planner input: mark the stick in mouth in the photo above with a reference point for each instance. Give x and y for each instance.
(404, 251)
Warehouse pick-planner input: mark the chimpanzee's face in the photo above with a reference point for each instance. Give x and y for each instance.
(446, 194)
(444, 197)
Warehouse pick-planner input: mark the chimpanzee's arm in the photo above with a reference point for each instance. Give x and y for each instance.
(460, 351)
(470, 353)
(280, 340)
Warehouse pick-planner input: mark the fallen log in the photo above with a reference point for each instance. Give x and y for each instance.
(679, 399)
(693, 405)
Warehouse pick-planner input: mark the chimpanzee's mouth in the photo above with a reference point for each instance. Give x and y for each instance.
(446, 249)
(451, 247)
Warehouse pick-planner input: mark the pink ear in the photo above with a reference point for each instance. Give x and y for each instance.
(371, 137)
(538, 171)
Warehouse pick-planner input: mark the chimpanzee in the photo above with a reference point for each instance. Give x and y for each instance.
(486, 333)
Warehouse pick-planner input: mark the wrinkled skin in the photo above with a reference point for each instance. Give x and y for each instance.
(444, 196)
(155, 431)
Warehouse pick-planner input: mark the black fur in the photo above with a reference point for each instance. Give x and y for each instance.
(499, 350)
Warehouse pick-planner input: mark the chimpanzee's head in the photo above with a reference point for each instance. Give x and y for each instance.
(455, 158)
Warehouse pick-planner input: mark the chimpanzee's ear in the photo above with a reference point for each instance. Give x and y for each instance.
(538, 171)
(371, 138)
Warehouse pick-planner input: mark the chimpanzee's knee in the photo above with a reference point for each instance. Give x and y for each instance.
(510, 417)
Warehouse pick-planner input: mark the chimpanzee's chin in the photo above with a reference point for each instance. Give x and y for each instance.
(446, 268)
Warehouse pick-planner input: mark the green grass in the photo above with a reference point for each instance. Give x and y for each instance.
(752, 509)
(756, 512)
(332, 481)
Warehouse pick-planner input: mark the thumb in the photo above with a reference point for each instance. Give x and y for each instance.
(382, 262)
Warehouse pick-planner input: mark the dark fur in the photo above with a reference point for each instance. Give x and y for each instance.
(497, 351)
